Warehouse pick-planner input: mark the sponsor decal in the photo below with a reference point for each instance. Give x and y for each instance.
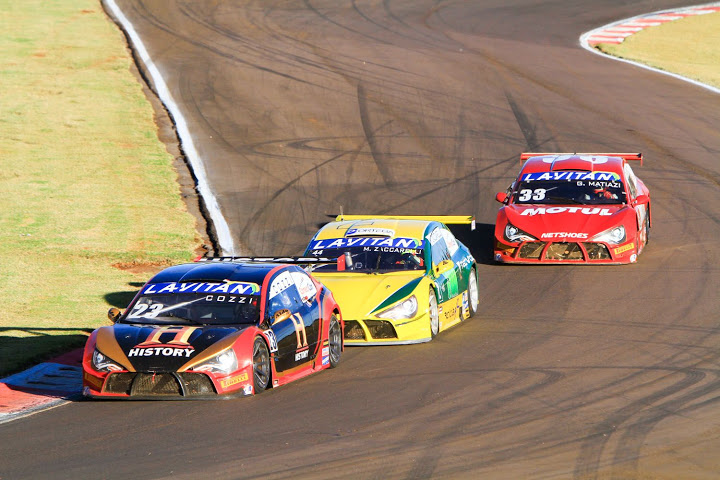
(231, 288)
(564, 235)
(463, 262)
(325, 355)
(442, 234)
(248, 389)
(177, 347)
(364, 242)
(95, 382)
(306, 288)
(584, 210)
(370, 231)
(594, 159)
(281, 283)
(298, 323)
(624, 248)
(301, 355)
(272, 339)
(229, 382)
(571, 176)
(163, 351)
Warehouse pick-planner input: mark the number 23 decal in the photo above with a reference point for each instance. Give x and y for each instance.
(527, 194)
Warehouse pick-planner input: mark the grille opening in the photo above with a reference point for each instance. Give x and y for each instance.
(564, 251)
(532, 250)
(353, 330)
(149, 384)
(380, 329)
(597, 251)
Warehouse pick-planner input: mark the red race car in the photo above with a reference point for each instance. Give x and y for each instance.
(586, 208)
(218, 328)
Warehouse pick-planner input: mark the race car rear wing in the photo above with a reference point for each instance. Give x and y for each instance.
(286, 260)
(626, 156)
(446, 219)
(343, 262)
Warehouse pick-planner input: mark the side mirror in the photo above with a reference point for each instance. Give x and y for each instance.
(642, 199)
(501, 197)
(114, 314)
(444, 266)
(345, 262)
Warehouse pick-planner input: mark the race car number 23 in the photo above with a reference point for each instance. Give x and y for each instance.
(527, 194)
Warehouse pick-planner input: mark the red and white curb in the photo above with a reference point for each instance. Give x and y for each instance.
(41, 387)
(617, 32)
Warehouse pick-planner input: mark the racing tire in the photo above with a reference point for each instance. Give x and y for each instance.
(647, 228)
(261, 365)
(433, 314)
(473, 293)
(335, 339)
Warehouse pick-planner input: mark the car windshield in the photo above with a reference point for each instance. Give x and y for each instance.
(374, 259)
(584, 188)
(194, 308)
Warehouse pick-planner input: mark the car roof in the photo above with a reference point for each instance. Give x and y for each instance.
(582, 163)
(384, 227)
(215, 272)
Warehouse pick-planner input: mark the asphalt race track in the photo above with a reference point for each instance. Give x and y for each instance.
(423, 107)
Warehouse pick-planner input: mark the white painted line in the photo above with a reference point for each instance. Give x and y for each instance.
(585, 39)
(222, 229)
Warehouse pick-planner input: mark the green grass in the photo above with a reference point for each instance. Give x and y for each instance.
(688, 47)
(86, 186)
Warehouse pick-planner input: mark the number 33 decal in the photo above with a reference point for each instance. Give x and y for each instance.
(527, 194)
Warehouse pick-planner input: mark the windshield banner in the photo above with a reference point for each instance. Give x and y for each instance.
(229, 287)
(570, 176)
(364, 242)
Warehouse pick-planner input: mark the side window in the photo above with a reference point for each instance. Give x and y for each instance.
(438, 247)
(630, 178)
(305, 286)
(283, 294)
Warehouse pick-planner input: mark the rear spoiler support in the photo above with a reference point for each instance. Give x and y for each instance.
(446, 219)
(626, 156)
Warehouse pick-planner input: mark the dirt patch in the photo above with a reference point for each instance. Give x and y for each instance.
(147, 269)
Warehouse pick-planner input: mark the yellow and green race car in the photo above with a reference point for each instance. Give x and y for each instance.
(398, 279)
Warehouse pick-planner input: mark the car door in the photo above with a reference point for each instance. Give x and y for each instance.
(641, 210)
(294, 321)
(309, 308)
(441, 256)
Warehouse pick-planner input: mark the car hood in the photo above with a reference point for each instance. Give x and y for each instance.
(548, 222)
(164, 348)
(360, 294)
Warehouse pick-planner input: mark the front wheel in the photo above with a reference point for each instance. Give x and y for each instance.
(473, 293)
(334, 342)
(261, 365)
(433, 314)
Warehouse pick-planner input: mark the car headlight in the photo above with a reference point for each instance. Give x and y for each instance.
(101, 363)
(514, 234)
(225, 362)
(405, 309)
(615, 235)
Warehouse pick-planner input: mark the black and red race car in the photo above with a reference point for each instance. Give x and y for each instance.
(586, 208)
(215, 329)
